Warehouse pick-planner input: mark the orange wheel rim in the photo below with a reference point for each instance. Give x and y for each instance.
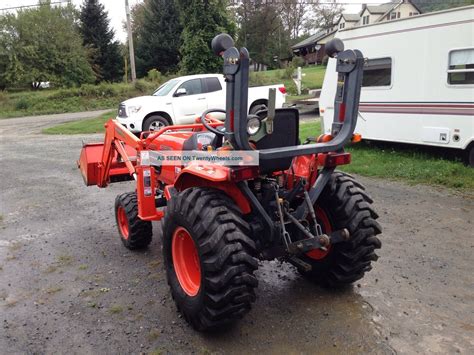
(323, 220)
(122, 222)
(186, 261)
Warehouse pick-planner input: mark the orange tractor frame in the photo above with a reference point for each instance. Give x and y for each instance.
(218, 221)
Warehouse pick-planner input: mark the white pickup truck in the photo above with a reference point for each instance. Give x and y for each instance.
(182, 100)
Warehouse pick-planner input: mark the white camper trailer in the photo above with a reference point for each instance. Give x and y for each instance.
(418, 85)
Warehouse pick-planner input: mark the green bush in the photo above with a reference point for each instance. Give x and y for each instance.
(297, 62)
(144, 86)
(287, 73)
(154, 76)
(22, 104)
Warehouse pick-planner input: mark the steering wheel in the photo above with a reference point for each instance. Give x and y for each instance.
(209, 128)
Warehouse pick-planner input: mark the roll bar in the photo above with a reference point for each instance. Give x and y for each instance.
(236, 71)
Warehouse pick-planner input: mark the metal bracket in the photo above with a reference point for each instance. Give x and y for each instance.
(271, 110)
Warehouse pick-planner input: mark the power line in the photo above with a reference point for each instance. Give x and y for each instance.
(35, 5)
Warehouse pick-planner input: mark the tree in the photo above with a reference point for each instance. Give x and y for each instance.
(42, 44)
(104, 52)
(325, 15)
(261, 31)
(202, 20)
(157, 31)
(293, 15)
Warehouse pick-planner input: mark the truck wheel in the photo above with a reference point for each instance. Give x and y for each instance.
(257, 107)
(208, 258)
(134, 232)
(344, 204)
(155, 123)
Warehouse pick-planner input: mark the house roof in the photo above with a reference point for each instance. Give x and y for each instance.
(351, 17)
(310, 40)
(380, 9)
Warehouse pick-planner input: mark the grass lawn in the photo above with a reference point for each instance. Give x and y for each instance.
(381, 161)
(84, 98)
(87, 126)
(408, 164)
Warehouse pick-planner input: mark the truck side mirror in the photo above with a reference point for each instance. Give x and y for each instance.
(180, 92)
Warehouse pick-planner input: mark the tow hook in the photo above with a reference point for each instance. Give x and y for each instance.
(321, 242)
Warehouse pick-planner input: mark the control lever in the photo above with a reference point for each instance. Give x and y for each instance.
(271, 110)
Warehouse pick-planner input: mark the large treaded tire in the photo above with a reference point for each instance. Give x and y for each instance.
(140, 232)
(347, 205)
(225, 254)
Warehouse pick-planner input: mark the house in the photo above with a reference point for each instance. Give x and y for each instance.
(386, 12)
(312, 48)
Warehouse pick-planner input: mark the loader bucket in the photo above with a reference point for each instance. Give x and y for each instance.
(90, 161)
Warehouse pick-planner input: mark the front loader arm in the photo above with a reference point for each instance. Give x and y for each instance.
(115, 137)
(99, 162)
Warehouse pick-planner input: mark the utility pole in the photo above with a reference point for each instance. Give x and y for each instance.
(130, 43)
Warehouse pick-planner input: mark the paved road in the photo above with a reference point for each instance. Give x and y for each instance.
(68, 286)
(32, 124)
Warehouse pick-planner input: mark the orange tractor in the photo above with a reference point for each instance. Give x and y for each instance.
(219, 220)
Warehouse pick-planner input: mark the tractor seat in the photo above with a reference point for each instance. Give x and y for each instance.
(285, 134)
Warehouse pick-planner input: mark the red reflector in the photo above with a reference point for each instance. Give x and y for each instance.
(331, 160)
(342, 112)
(282, 89)
(245, 173)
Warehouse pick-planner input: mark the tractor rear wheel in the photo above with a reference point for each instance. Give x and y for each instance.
(344, 204)
(134, 232)
(208, 258)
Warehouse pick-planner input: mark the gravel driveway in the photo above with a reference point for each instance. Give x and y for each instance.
(67, 285)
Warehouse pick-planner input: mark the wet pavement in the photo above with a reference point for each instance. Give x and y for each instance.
(68, 285)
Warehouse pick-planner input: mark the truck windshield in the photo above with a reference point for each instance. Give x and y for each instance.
(164, 89)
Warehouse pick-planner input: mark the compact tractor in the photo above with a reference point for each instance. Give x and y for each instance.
(218, 221)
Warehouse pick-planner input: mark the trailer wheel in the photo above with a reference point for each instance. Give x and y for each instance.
(134, 232)
(208, 258)
(344, 204)
(470, 155)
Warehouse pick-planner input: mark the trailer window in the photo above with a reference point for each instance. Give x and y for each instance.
(377, 72)
(461, 67)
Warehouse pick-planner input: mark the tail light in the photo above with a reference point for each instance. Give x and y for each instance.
(282, 89)
(331, 160)
(244, 173)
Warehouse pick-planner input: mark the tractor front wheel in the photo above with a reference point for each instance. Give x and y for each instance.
(344, 204)
(134, 232)
(208, 258)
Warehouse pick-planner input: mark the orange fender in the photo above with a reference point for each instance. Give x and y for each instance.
(217, 177)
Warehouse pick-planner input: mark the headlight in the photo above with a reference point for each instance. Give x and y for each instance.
(121, 111)
(133, 109)
(253, 125)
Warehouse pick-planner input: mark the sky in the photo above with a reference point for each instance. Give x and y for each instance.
(116, 10)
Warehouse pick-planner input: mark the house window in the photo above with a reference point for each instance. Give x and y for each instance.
(377, 72)
(365, 20)
(461, 67)
(394, 15)
(413, 13)
(342, 25)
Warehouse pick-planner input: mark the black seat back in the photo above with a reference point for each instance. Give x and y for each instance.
(285, 134)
